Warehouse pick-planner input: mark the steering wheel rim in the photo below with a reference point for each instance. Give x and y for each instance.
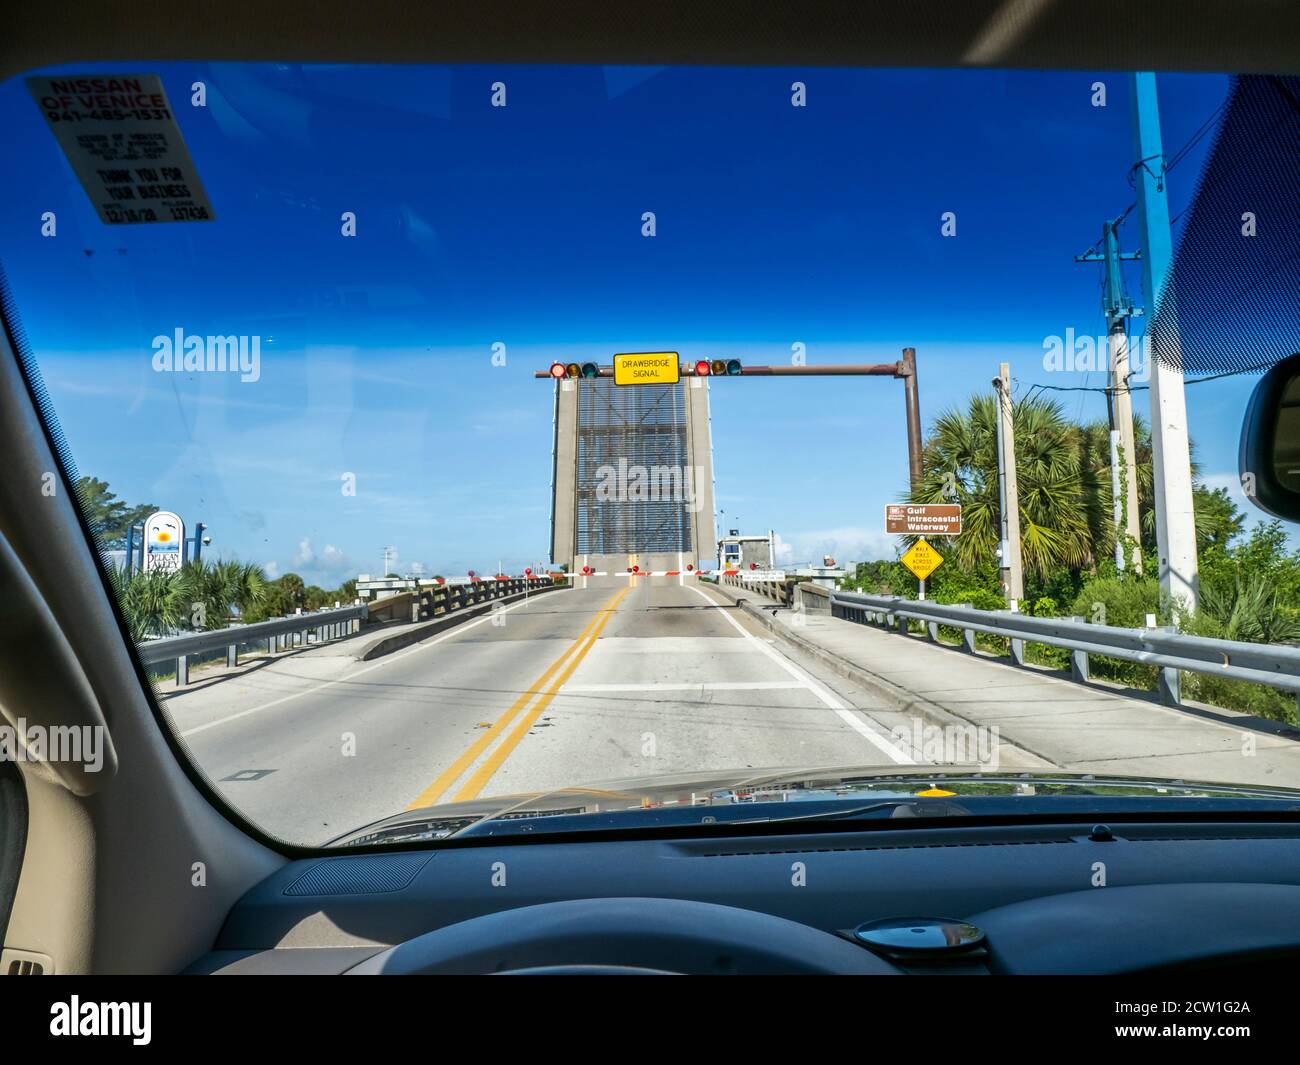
(676, 936)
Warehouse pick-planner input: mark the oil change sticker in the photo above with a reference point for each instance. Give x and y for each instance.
(125, 147)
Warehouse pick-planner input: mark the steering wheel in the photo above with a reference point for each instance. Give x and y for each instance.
(628, 936)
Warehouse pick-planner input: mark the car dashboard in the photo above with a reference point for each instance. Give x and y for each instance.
(1060, 898)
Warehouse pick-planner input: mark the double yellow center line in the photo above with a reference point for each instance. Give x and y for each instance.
(544, 688)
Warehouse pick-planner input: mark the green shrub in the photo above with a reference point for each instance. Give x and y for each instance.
(980, 599)
(1257, 699)
(1248, 609)
(1122, 602)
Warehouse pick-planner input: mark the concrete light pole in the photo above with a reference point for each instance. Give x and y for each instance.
(1013, 578)
(1170, 446)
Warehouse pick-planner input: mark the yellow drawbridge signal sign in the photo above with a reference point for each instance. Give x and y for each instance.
(921, 559)
(647, 368)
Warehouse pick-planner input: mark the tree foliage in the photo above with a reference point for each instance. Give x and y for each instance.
(1064, 497)
(109, 518)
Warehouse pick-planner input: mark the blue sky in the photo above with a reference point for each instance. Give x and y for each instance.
(776, 226)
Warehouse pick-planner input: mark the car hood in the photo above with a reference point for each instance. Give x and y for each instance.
(621, 800)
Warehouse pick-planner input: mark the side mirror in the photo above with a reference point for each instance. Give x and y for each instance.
(1269, 458)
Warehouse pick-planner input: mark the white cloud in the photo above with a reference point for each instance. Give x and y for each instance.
(327, 567)
(846, 544)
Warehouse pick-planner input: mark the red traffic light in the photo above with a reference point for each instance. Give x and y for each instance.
(557, 370)
(586, 570)
(702, 368)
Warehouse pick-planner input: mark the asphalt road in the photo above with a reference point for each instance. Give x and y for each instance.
(571, 688)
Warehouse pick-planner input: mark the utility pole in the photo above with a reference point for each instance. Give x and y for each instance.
(1013, 579)
(907, 371)
(1123, 460)
(1170, 447)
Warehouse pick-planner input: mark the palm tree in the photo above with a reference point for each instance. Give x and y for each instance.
(212, 590)
(152, 602)
(244, 584)
(1093, 441)
(1063, 499)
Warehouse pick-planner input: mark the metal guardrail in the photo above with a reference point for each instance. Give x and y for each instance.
(278, 633)
(1169, 651)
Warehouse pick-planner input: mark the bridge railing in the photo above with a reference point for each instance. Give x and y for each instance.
(1169, 651)
(278, 633)
(773, 585)
(281, 633)
(432, 602)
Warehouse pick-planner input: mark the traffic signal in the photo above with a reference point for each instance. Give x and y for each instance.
(702, 368)
(733, 367)
(557, 370)
(590, 369)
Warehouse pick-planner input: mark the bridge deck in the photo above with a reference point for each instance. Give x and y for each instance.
(649, 676)
(1076, 726)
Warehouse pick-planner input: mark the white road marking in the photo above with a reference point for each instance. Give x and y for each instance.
(386, 660)
(880, 740)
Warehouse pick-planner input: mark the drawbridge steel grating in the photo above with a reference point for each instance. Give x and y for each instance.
(620, 430)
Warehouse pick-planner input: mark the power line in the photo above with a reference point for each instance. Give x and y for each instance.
(1172, 161)
(1143, 388)
(1179, 155)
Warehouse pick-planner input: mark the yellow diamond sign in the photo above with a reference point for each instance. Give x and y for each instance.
(921, 559)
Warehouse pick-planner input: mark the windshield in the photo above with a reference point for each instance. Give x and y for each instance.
(457, 436)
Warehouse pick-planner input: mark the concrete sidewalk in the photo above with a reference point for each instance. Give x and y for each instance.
(1090, 727)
